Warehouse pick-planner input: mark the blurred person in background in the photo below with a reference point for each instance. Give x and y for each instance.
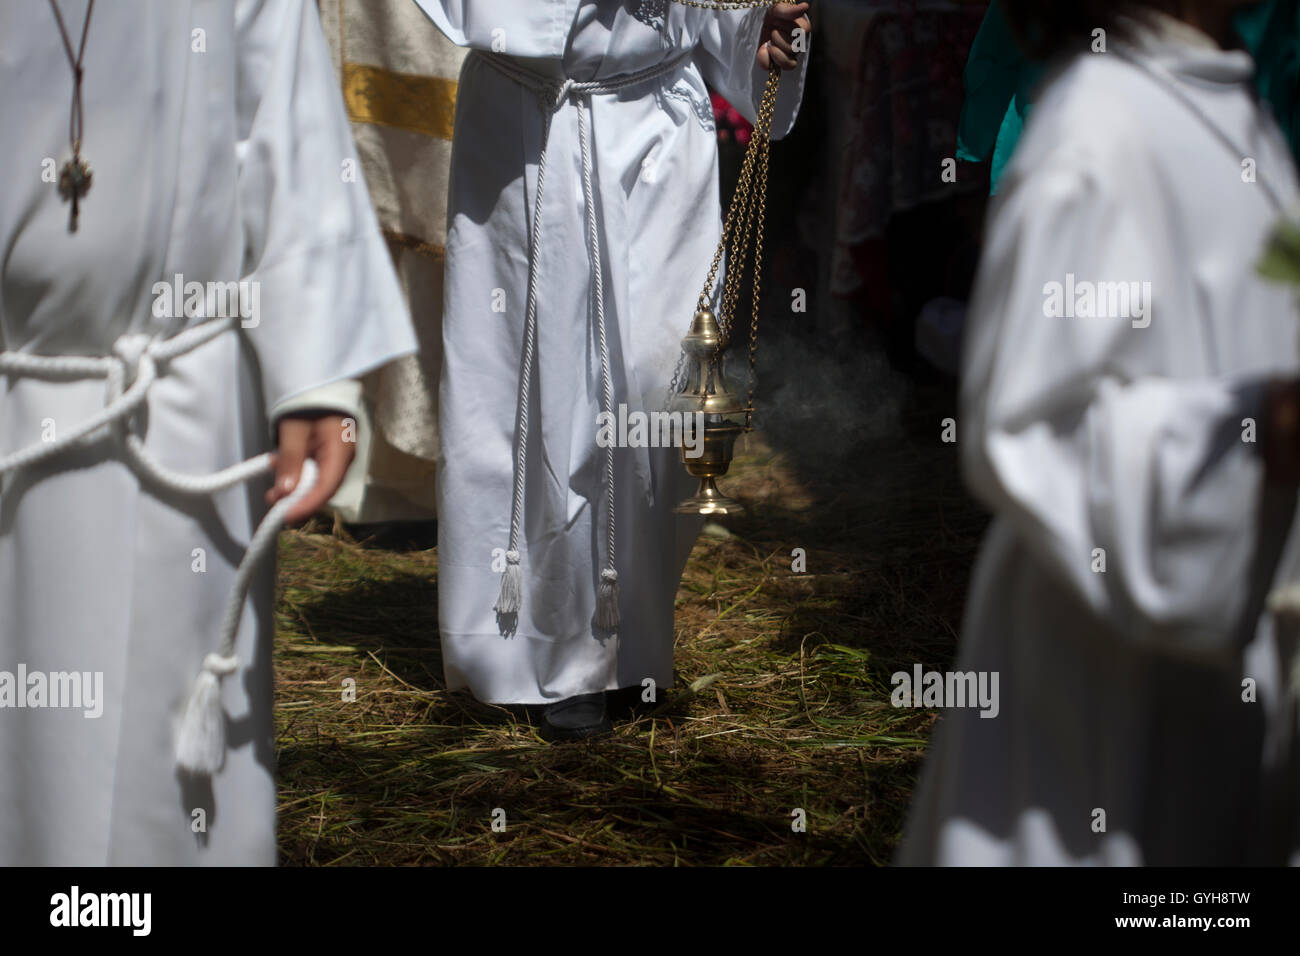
(1130, 415)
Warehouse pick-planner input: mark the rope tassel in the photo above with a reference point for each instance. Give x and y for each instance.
(511, 596)
(201, 743)
(136, 362)
(607, 600)
(201, 736)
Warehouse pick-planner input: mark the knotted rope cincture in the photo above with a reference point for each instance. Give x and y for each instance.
(201, 738)
(129, 372)
(552, 96)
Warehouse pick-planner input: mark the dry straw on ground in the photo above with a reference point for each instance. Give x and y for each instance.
(781, 700)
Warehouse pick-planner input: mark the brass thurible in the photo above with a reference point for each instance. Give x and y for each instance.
(706, 390)
(699, 384)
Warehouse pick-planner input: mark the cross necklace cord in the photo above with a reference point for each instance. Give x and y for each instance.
(76, 175)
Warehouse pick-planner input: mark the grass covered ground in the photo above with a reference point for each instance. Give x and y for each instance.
(781, 700)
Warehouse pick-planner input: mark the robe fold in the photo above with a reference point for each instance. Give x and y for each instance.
(1120, 592)
(221, 152)
(655, 170)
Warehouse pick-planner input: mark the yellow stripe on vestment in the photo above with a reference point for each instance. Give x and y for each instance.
(418, 104)
(431, 249)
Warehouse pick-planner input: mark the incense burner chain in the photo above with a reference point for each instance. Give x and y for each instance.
(700, 383)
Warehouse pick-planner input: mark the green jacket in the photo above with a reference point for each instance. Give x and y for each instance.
(1001, 81)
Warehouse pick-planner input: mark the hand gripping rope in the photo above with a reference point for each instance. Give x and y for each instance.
(134, 365)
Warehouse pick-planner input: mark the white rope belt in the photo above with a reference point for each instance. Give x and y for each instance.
(134, 365)
(552, 96)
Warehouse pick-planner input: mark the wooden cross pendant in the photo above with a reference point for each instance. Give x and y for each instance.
(74, 182)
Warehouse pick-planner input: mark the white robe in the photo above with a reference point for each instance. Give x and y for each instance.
(217, 164)
(1123, 737)
(656, 181)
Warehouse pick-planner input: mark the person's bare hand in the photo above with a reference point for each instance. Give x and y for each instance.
(777, 39)
(320, 437)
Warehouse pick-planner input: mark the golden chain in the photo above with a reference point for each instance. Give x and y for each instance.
(769, 103)
(744, 223)
(738, 232)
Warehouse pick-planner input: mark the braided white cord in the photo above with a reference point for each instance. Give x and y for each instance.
(529, 352)
(201, 733)
(262, 542)
(609, 575)
(555, 93)
(137, 358)
(180, 482)
(552, 96)
(126, 401)
(140, 356)
(55, 366)
(195, 485)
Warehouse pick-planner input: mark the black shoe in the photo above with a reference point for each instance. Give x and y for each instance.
(576, 718)
(626, 703)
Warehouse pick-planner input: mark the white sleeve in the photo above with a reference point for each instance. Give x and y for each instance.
(728, 45)
(1079, 445)
(341, 398)
(330, 306)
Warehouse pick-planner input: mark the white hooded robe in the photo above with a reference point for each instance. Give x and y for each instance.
(220, 151)
(1120, 591)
